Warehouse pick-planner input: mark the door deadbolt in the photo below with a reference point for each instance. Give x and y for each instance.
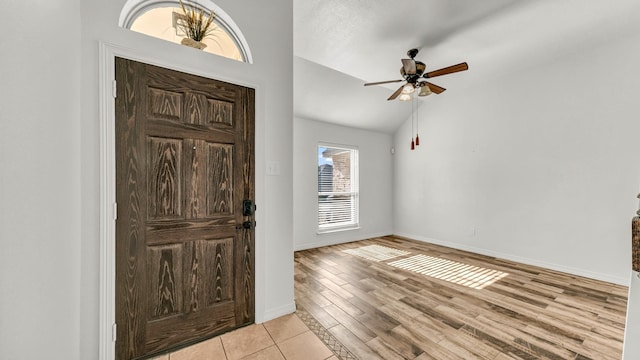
(248, 207)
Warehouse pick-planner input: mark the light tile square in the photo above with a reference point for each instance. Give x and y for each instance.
(304, 346)
(246, 341)
(285, 327)
(207, 350)
(270, 353)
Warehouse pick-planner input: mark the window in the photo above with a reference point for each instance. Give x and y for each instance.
(158, 18)
(337, 188)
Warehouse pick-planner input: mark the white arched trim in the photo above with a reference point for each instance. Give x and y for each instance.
(134, 8)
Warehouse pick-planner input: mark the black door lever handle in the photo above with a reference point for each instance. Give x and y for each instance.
(246, 225)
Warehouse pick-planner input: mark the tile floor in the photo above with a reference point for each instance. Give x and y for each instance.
(286, 337)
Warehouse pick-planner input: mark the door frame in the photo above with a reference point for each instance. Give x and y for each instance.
(107, 54)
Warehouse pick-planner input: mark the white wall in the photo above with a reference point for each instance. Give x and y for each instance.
(50, 157)
(40, 180)
(540, 166)
(375, 182)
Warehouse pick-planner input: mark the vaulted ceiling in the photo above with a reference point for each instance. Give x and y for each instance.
(341, 44)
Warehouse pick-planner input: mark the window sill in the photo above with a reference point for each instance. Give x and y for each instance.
(338, 229)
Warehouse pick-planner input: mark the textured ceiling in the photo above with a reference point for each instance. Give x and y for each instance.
(341, 44)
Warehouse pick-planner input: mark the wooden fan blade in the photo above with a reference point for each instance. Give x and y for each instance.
(409, 66)
(381, 82)
(435, 88)
(448, 70)
(395, 94)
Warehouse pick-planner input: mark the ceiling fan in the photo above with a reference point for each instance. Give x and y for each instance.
(413, 73)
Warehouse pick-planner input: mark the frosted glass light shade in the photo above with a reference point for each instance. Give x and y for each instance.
(408, 89)
(424, 91)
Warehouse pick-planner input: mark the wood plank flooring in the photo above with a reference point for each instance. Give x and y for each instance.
(433, 302)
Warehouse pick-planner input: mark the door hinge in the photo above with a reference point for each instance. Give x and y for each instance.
(114, 329)
(115, 211)
(115, 89)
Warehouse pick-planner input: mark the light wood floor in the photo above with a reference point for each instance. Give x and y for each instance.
(433, 302)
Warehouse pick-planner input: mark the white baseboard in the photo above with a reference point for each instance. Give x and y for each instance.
(317, 244)
(528, 261)
(273, 313)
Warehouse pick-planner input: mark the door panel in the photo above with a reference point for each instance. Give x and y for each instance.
(164, 159)
(184, 163)
(220, 189)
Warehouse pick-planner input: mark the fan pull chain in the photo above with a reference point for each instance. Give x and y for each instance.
(417, 124)
(413, 145)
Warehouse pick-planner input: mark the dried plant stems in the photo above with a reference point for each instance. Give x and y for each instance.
(197, 25)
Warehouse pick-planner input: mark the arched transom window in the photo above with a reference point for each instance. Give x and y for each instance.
(160, 19)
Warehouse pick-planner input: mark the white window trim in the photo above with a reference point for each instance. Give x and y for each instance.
(355, 179)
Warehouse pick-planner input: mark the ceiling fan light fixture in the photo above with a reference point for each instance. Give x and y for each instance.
(408, 89)
(425, 91)
(413, 72)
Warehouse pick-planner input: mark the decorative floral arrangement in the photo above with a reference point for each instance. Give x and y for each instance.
(196, 24)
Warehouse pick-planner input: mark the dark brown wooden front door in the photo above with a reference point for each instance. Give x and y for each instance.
(184, 165)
